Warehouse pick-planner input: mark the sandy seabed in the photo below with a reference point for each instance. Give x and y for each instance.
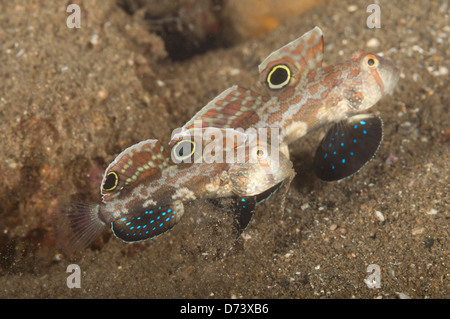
(72, 99)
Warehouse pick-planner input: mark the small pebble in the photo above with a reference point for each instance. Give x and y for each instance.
(102, 94)
(417, 48)
(333, 227)
(373, 43)
(246, 236)
(379, 216)
(418, 230)
(406, 128)
(443, 70)
(352, 8)
(94, 39)
(391, 159)
(21, 51)
(12, 164)
(432, 212)
(401, 295)
(234, 71)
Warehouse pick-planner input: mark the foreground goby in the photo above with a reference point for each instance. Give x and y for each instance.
(145, 188)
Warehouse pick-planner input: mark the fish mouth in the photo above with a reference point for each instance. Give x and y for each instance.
(390, 75)
(392, 81)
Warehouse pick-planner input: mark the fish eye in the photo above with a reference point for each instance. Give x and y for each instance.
(260, 153)
(111, 182)
(182, 150)
(371, 61)
(278, 77)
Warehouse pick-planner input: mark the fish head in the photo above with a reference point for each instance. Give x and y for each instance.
(141, 163)
(370, 77)
(264, 167)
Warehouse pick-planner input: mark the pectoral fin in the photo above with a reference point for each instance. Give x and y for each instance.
(244, 208)
(150, 223)
(348, 146)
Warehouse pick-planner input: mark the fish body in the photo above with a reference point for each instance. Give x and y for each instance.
(145, 188)
(302, 96)
(146, 175)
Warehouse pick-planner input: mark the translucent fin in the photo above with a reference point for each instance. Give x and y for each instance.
(152, 222)
(77, 226)
(348, 146)
(233, 108)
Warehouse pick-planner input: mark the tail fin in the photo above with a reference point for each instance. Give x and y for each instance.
(77, 226)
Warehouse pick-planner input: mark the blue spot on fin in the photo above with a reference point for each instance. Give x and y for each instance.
(144, 226)
(358, 138)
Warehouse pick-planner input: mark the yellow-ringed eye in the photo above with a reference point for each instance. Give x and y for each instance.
(371, 61)
(278, 77)
(111, 182)
(183, 150)
(260, 153)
